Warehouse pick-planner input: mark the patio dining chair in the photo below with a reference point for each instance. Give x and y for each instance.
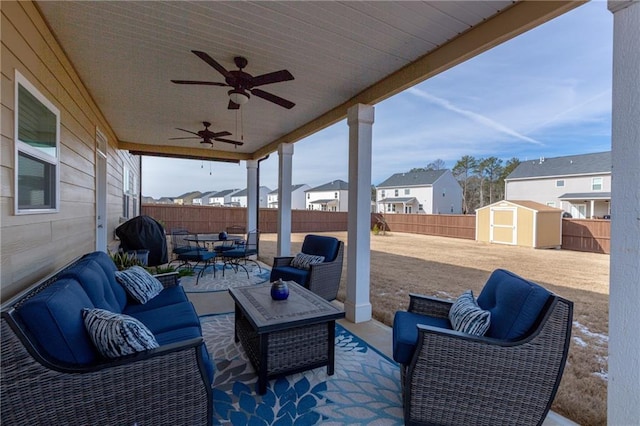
(238, 256)
(494, 361)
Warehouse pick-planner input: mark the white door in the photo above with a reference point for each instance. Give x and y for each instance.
(101, 191)
(579, 211)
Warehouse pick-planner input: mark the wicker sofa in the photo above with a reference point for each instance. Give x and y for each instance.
(509, 376)
(53, 374)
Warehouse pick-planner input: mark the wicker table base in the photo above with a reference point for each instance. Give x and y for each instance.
(284, 336)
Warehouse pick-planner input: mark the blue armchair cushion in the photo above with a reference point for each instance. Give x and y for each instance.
(466, 316)
(140, 284)
(168, 296)
(95, 283)
(167, 318)
(289, 273)
(116, 335)
(109, 268)
(304, 261)
(321, 246)
(405, 333)
(54, 318)
(514, 303)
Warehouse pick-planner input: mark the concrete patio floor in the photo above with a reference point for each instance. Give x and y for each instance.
(373, 332)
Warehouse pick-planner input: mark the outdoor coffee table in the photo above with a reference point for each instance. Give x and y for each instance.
(284, 337)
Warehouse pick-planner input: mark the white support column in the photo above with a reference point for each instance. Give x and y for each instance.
(357, 306)
(285, 156)
(623, 400)
(592, 209)
(252, 195)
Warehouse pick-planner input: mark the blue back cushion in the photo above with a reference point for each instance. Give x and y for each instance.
(94, 282)
(109, 268)
(321, 246)
(514, 303)
(54, 318)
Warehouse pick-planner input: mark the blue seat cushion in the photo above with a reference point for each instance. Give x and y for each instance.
(289, 273)
(168, 296)
(182, 334)
(196, 256)
(54, 318)
(405, 333)
(514, 303)
(167, 318)
(321, 246)
(239, 252)
(109, 268)
(95, 283)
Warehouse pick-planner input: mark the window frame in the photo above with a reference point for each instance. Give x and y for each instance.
(593, 183)
(559, 183)
(21, 147)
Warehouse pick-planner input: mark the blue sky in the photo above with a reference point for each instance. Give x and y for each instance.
(546, 93)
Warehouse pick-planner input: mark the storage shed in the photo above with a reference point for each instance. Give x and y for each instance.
(520, 222)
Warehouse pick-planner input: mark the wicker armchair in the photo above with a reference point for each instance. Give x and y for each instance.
(454, 378)
(322, 278)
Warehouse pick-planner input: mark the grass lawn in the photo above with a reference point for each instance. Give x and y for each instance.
(446, 267)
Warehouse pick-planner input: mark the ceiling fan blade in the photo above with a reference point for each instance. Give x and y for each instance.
(233, 105)
(206, 83)
(208, 59)
(229, 141)
(189, 137)
(273, 98)
(220, 134)
(188, 131)
(272, 77)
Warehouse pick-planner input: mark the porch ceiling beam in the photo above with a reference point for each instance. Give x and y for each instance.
(515, 20)
(182, 152)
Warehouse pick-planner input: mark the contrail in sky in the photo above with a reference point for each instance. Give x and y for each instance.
(479, 118)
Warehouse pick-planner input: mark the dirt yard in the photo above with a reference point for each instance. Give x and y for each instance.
(445, 267)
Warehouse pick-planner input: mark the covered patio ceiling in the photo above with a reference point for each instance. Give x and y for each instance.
(340, 54)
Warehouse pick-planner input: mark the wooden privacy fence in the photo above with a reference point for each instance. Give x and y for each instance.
(592, 235)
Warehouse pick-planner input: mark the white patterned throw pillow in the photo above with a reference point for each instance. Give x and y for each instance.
(304, 261)
(466, 316)
(116, 335)
(140, 284)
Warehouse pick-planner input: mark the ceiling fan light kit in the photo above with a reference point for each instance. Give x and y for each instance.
(238, 96)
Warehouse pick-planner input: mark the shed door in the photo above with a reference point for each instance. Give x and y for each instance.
(503, 226)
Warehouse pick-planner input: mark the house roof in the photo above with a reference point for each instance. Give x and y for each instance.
(336, 185)
(325, 201)
(422, 178)
(570, 165)
(586, 196)
(293, 188)
(397, 200)
(188, 195)
(225, 192)
(340, 54)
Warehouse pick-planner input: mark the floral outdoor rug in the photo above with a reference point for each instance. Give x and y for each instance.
(231, 278)
(364, 390)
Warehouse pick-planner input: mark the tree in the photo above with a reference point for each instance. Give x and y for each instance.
(492, 169)
(463, 171)
(509, 167)
(437, 165)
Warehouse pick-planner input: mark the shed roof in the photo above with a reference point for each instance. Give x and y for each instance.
(527, 204)
(599, 162)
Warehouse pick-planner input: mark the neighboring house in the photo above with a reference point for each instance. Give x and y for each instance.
(297, 197)
(203, 200)
(165, 200)
(332, 196)
(424, 192)
(578, 184)
(239, 199)
(187, 198)
(222, 198)
(148, 200)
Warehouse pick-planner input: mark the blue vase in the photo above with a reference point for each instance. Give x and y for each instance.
(279, 290)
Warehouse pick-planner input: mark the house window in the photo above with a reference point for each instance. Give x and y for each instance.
(420, 207)
(407, 191)
(596, 184)
(308, 196)
(382, 194)
(335, 195)
(395, 192)
(129, 195)
(559, 183)
(407, 209)
(37, 154)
